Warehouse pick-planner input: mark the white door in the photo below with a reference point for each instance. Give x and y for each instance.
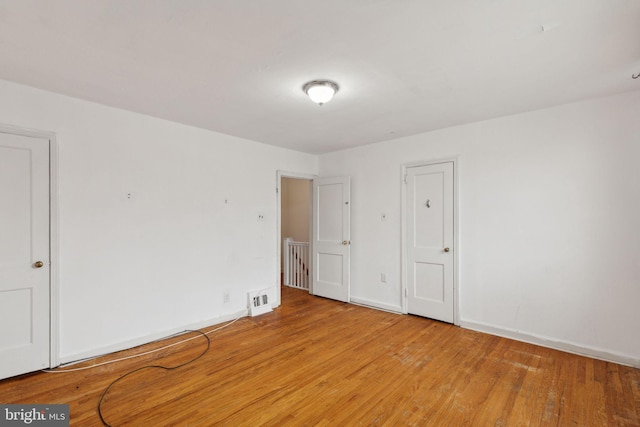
(331, 238)
(430, 241)
(24, 254)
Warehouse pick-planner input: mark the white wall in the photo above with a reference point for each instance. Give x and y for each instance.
(134, 268)
(549, 231)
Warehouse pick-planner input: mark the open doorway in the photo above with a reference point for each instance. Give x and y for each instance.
(295, 219)
(294, 237)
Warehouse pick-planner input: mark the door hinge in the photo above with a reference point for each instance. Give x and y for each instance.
(406, 292)
(276, 190)
(405, 179)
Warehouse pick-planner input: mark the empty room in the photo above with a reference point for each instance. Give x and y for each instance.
(390, 212)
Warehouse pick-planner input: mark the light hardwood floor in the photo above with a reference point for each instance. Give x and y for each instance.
(319, 362)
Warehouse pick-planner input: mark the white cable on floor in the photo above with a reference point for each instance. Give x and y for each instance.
(60, 371)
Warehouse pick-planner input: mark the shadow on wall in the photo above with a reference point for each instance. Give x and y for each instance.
(295, 209)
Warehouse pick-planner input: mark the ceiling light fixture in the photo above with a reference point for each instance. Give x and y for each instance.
(320, 91)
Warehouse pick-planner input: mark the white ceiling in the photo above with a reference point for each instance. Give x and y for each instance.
(403, 66)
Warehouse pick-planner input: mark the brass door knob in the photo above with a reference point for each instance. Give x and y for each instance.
(346, 242)
(446, 249)
(38, 264)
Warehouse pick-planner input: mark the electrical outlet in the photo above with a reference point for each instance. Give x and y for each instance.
(260, 216)
(226, 298)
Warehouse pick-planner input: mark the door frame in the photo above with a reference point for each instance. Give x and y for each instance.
(279, 175)
(54, 269)
(456, 240)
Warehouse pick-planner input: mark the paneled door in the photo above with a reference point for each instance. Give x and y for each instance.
(24, 254)
(331, 237)
(430, 241)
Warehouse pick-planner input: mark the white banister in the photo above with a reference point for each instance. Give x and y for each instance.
(296, 263)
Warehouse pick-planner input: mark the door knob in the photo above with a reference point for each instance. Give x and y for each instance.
(346, 242)
(446, 249)
(38, 264)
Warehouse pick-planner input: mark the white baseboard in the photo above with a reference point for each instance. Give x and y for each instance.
(149, 338)
(375, 304)
(555, 344)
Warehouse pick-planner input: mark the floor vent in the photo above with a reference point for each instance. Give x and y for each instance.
(258, 303)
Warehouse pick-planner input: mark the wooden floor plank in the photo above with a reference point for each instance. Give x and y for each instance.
(319, 362)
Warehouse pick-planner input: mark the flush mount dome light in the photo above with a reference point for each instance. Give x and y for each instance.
(320, 91)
